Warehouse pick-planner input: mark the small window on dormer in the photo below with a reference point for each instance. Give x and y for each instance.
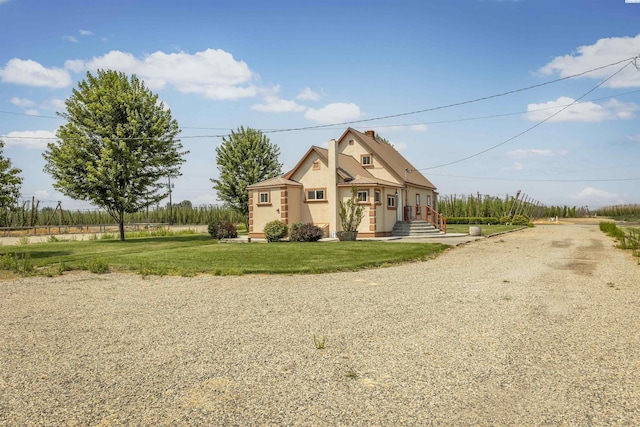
(351, 142)
(316, 165)
(366, 160)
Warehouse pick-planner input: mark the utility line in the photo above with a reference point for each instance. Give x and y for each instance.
(536, 180)
(485, 98)
(531, 127)
(458, 120)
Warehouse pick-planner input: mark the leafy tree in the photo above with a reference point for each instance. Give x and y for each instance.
(383, 140)
(10, 182)
(118, 146)
(244, 158)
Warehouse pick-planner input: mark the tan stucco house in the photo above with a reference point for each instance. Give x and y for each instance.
(389, 187)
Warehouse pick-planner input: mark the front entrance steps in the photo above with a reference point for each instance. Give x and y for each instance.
(415, 229)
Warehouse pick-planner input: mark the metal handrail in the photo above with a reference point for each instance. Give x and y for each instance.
(426, 213)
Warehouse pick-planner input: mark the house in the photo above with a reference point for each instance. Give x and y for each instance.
(389, 187)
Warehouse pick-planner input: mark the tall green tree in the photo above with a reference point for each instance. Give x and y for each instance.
(118, 146)
(244, 158)
(10, 183)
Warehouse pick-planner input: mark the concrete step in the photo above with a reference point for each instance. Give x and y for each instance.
(414, 228)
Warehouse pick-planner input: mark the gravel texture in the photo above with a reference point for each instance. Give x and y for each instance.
(536, 327)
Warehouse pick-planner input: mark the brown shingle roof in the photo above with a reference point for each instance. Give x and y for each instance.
(274, 182)
(391, 159)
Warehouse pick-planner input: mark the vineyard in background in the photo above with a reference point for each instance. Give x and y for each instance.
(621, 212)
(485, 206)
(30, 214)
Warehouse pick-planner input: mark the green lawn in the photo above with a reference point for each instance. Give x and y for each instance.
(486, 229)
(198, 253)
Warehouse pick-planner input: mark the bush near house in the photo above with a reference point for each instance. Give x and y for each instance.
(305, 232)
(223, 230)
(275, 230)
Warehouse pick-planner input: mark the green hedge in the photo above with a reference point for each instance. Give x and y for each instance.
(490, 220)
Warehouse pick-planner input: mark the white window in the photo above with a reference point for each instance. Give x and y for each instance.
(428, 200)
(363, 196)
(365, 160)
(315, 194)
(316, 165)
(264, 197)
(378, 196)
(417, 200)
(391, 201)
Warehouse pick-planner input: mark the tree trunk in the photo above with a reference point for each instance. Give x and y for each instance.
(121, 226)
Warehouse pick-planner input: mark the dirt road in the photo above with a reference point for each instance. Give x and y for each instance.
(537, 327)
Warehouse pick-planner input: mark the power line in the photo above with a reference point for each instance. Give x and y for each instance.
(536, 180)
(458, 120)
(456, 104)
(534, 126)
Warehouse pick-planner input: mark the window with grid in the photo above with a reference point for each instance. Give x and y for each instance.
(315, 194)
(363, 196)
(264, 197)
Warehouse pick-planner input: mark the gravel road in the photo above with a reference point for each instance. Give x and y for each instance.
(536, 327)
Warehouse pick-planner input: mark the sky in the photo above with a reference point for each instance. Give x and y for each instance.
(481, 96)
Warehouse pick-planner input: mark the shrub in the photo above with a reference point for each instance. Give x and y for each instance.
(220, 229)
(520, 220)
(505, 220)
(305, 232)
(97, 266)
(275, 230)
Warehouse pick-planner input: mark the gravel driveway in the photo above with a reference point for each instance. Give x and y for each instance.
(536, 327)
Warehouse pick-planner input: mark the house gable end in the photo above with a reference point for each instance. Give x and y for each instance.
(391, 160)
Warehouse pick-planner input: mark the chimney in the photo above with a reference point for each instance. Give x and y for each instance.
(371, 133)
(332, 188)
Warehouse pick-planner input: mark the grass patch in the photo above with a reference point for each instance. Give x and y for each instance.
(192, 254)
(486, 229)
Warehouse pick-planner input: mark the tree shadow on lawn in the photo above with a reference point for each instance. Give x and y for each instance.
(187, 238)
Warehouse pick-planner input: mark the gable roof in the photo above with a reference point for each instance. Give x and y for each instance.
(393, 161)
(278, 181)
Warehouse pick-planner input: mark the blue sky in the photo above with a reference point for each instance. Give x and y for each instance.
(291, 64)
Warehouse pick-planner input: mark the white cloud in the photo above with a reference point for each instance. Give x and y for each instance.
(32, 73)
(521, 154)
(274, 104)
(604, 51)
(278, 105)
(22, 102)
(334, 113)
(32, 112)
(595, 196)
(85, 33)
(399, 146)
(582, 111)
(36, 139)
(70, 39)
(419, 128)
(517, 166)
(308, 95)
(212, 73)
(634, 138)
(42, 194)
(57, 104)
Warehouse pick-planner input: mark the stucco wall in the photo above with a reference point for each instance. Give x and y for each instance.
(261, 214)
(357, 149)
